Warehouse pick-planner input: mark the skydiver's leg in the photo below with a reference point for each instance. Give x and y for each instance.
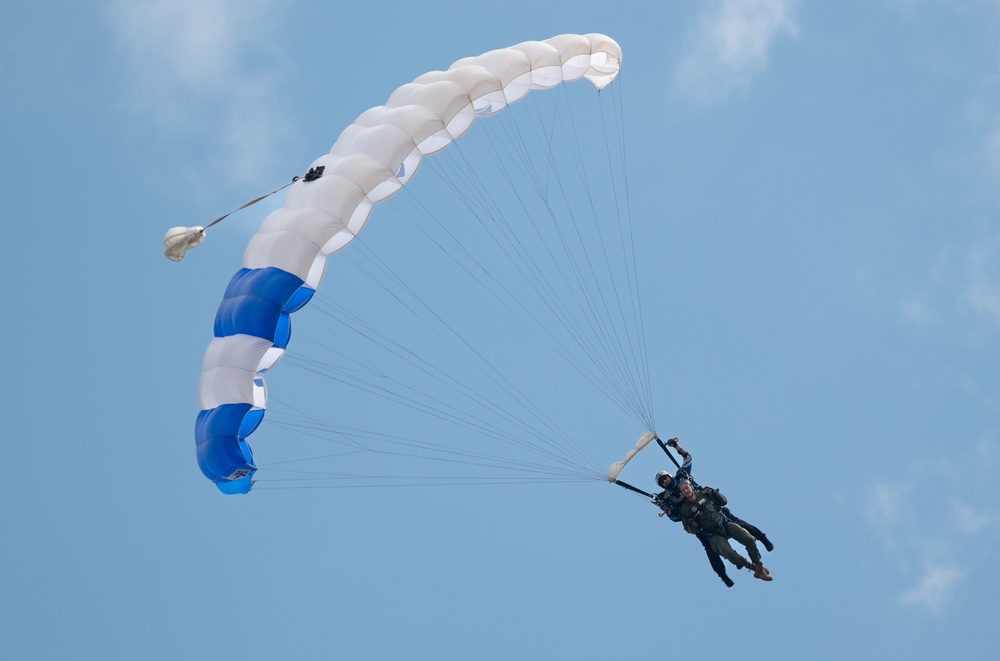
(716, 561)
(752, 529)
(721, 546)
(746, 539)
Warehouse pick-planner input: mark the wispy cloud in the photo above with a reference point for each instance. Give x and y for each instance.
(935, 589)
(961, 284)
(200, 69)
(731, 46)
(927, 537)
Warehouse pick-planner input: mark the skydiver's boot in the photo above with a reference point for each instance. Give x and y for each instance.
(761, 572)
(766, 542)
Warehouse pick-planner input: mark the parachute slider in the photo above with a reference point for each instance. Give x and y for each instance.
(616, 468)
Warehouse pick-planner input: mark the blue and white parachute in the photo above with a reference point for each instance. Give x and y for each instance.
(372, 159)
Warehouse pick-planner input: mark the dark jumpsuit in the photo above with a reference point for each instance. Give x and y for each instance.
(669, 500)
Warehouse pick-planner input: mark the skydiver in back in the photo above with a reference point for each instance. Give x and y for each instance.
(669, 500)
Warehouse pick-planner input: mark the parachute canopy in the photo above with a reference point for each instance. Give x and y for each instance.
(372, 159)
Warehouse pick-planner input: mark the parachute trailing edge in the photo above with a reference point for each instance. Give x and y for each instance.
(372, 159)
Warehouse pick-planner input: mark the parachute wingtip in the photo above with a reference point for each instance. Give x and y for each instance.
(239, 486)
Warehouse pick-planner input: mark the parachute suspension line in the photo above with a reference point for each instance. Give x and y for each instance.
(632, 373)
(541, 284)
(598, 322)
(513, 304)
(407, 481)
(601, 332)
(618, 108)
(493, 373)
(427, 451)
(367, 441)
(355, 437)
(634, 282)
(638, 373)
(509, 243)
(605, 323)
(454, 415)
(373, 441)
(555, 438)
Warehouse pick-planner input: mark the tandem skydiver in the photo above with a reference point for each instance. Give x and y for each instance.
(670, 501)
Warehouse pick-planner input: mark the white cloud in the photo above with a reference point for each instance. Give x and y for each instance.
(887, 504)
(201, 69)
(930, 541)
(971, 520)
(935, 589)
(732, 45)
(961, 286)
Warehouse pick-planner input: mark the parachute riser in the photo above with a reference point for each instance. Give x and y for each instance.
(663, 446)
(626, 485)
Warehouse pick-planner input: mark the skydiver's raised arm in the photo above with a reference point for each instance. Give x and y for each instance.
(685, 455)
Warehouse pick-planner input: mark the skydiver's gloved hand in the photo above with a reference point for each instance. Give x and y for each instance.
(717, 496)
(672, 442)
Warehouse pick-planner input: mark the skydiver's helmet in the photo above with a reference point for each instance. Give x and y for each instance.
(660, 478)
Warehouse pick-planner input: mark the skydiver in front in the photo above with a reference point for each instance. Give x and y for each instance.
(669, 500)
(700, 513)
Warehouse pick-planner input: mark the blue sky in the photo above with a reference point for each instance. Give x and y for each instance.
(814, 189)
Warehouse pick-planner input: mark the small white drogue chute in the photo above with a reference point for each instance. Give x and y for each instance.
(616, 468)
(178, 240)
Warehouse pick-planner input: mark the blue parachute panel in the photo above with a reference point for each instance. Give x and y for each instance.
(250, 423)
(271, 284)
(255, 301)
(233, 487)
(299, 298)
(283, 331)
(222, 455)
